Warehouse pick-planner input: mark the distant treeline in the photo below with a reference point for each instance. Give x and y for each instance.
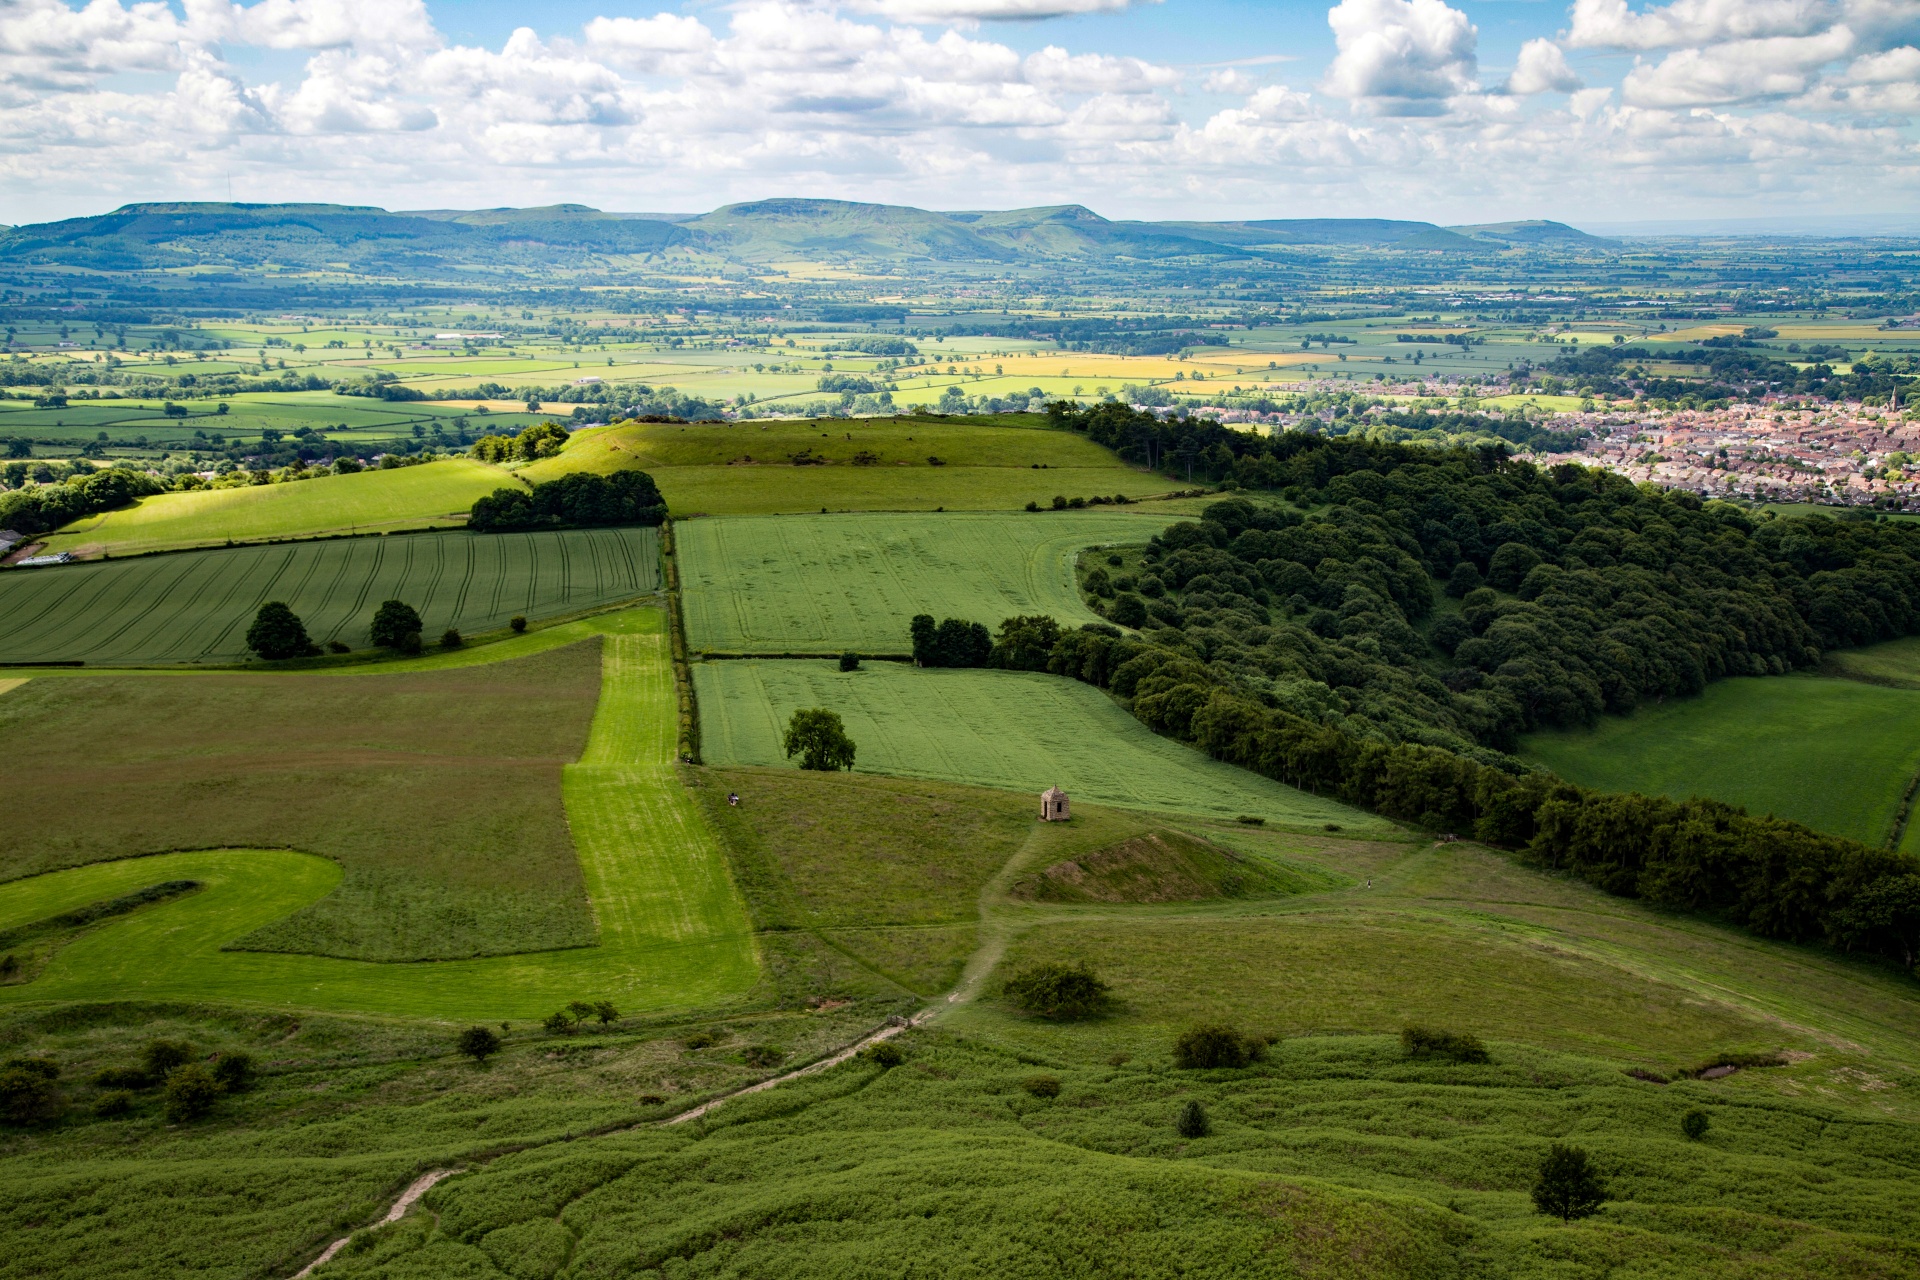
(1132, 336)
(1731, 372)
(42, 508)
(581, 498)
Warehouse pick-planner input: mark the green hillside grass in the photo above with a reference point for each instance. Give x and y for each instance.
(1016, 730)
(827, 583)
(746, 468)
(667, 928)
(1835, 754)
(195, 606)
(366, 502)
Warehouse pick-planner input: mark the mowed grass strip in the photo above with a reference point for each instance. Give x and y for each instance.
(747, 468)
(439, 793)
(798, 584)
(195, 606)
(1834, 754)
(369, 501)
(1015, 730)
(671, 931)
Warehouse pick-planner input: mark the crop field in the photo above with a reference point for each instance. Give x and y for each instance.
(1835, 754)
(798, 584)
(671, 931)
(195, 606)
(368, 501)
(1015, 730)
(747, 468)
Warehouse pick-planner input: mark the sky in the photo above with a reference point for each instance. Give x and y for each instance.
(1594, 112)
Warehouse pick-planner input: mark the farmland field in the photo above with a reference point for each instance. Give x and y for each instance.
(1834, 754)
(745, 468)
(195, 606)
(799, 584)
(1016, 730)
(670, 929)
(366, 502)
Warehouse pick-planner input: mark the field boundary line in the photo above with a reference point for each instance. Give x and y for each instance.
(1903, 814)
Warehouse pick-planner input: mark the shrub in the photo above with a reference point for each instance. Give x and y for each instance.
(337, 646)
(518, 623)
(9, 965)
(1429, 1042)
(1058, 992)
(849, 661)
(117, 1102)
(1191, 1120)
(604, 1010)
(701, 1039)
(763, 1055)
(559, 1023)
(1695, 1125)
(277, 633)
(28, 1094)
(122, 1078)
(580, 1010)
(1569, 1186)
(478, 1043)
(162, 1056)
(234, 1071)
(1042, 1086)
(396, 626)
(450, 639)
(884, 1054)
(191, 1092)
(1212, 1047)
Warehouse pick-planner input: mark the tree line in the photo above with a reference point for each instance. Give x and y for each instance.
(579, 498)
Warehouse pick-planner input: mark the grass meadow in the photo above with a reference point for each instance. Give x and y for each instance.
(195, 606)
(822, 584)
(1019, 731)
(652, 919)
(365, 502)
(1836, 754)
(747, 468)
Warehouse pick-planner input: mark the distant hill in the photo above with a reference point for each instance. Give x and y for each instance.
(362, 238)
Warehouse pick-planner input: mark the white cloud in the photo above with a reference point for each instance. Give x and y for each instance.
(1401, 57)
(330, 24)
(1542, 68)
(666, 40)
(1735, 71)
(933, 11)
(1610, 24)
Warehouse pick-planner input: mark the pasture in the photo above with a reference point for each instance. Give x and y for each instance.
(195, 606)
(798, 584)
(1019, 731)
(365, 502)
(657, 921)
(1835, 754)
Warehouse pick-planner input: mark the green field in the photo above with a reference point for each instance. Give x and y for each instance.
(366, 502)
(821, 584)
(1016, 730)
(1835, 754)
(195, 606)
(671, 931)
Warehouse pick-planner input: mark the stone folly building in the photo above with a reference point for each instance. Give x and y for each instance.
(1053, 805)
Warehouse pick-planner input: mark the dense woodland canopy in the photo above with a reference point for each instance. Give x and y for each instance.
(1307, 648)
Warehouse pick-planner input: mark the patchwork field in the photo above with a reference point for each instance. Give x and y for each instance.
(1836, 754)
(366, 502)
(821, 584)
(1016, 730)
(653, 920)
(748, 468)
(195, 606)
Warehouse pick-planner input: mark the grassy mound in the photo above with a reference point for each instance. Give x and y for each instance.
(365, 502)
(196, 606)
(1159, 866)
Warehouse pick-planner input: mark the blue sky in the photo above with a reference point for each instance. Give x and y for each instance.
(1592, 111)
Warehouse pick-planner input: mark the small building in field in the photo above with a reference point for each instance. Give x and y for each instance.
(1053, 805)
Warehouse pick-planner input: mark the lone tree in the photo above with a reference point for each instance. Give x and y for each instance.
(1208, 1048)
(1569, 1185)
(818, 738)
(397, 626)
(191, 1092)
(277, 633)
(1192, 1122)
(478, 1043)
(1695, 1125)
